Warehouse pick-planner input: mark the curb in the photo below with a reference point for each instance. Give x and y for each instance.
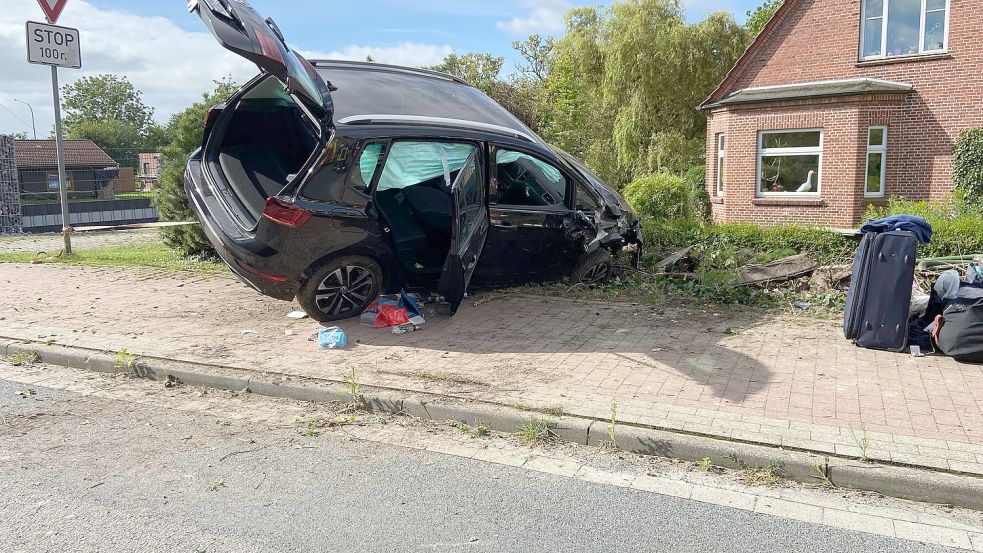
(929, 486)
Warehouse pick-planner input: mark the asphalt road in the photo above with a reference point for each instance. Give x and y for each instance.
(83, 473)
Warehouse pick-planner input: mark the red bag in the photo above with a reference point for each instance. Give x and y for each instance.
(390, 315)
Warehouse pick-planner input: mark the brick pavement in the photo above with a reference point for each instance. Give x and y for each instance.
(751, 375)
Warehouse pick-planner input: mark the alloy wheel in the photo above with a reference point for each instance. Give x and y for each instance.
(596, 274)
(345, 289)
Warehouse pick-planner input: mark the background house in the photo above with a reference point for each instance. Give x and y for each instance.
(838, 104)
(150, 166)
(89, 170)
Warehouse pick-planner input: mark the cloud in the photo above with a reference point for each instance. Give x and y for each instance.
(545, 17)
(170, 65)
(412, 54)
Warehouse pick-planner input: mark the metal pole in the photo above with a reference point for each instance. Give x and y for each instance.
(33, 125)
(62, 180)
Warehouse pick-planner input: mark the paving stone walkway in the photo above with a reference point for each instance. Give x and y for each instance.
(49, 243)
(788, 380)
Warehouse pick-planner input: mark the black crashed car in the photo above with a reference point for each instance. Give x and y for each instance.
(335, 181)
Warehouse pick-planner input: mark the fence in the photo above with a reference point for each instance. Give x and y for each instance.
(10, 208)
(100, 192)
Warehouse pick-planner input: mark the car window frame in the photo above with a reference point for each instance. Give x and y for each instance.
(384, 158)
(566, 205)
(360, 146)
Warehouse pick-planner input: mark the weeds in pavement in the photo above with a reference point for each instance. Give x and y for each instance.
(613, 425)
(24, 358)
(355, 389)
(822, 474)
(863, 442)
(311, 430)
(477, 431)
(27, 392)
(553, 411)
(754, 475)
(125, 361)
(171, 381)
(217, 486)
(535, 431)
(705, 464)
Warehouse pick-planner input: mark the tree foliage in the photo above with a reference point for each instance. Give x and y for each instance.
(186, 129)
(625, 82)
(967, 166)
(104, 98)
(757, 18)
(109, 111)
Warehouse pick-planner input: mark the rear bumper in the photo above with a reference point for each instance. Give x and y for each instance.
(252, 261)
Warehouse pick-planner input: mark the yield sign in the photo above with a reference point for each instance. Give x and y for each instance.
(52, 8)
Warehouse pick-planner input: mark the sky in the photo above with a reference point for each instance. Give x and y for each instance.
(168, 54)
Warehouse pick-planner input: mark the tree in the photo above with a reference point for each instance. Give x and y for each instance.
(536, 51)
(626, 81)
(118, 139)
(186, 130)
(757, 18)
(104, 98)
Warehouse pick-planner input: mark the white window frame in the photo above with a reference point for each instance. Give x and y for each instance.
(876, 149)
(776, 152)
(721, 156)
(921, 31)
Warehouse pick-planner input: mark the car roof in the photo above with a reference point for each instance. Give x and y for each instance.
(366, 93)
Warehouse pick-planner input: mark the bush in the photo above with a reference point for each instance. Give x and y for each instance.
(699, 199)
(186, 128)
(751, 241)
(967, 165)
(662, 196)
(957, 225)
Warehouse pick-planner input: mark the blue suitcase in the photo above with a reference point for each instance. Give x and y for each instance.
(879, 299)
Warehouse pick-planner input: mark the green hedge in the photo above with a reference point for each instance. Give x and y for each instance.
(957, 226)
(828, 246)
(967, 165)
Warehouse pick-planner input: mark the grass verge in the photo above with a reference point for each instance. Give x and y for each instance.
(156, 256)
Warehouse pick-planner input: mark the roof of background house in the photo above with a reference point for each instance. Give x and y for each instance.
(78, 153)
(818, 89)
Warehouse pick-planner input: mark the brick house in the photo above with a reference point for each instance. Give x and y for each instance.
(839, 104)
(150, 166)
(89, 170)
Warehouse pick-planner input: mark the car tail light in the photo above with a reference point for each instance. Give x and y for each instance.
(287, 214)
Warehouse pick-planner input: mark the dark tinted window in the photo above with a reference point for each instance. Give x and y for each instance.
(368, 164)
(586, 200)
(379, 92)
(327, 185)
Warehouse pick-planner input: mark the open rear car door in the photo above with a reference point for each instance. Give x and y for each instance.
(238, 28)
(469, 231)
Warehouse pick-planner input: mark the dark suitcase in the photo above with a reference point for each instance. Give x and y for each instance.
(879, 298)
(960, 331)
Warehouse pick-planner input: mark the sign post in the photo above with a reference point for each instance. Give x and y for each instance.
(56, 46)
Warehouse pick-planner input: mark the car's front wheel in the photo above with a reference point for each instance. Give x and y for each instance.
(341, 288)
(593, 268)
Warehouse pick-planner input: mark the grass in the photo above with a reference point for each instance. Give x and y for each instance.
(753, 475)
(125, 361)
(535, 431)
(24, 358)
(156, 256)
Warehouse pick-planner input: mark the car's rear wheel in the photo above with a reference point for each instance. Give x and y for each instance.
(341, 288)
(593, 268)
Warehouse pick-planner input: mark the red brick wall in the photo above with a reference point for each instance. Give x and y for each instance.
(818, 40)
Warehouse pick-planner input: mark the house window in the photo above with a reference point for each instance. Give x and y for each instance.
(721, 154)
(790, 162)
(903, 28)
(146, 169)
(53, 182)
(876, 162)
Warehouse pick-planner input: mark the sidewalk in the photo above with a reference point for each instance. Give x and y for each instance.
(740, 374)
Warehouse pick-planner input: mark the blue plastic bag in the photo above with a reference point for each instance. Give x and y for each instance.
(331, 338)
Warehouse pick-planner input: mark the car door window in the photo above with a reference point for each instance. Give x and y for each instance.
(520, 179)
(423, 164)
(368, 164)
(469, 202)
(586, 200)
